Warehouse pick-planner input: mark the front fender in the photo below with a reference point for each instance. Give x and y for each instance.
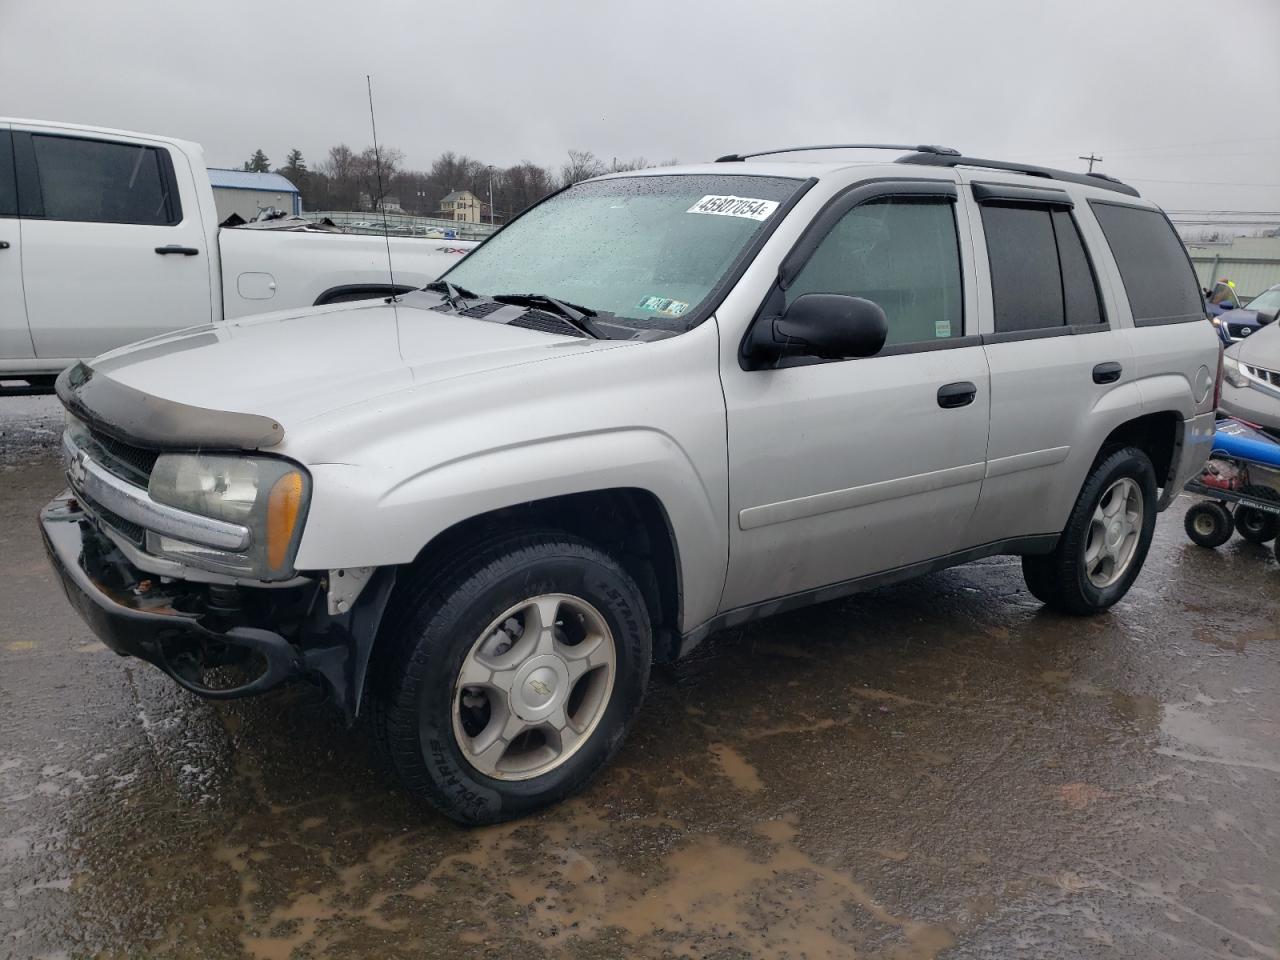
(353, 523)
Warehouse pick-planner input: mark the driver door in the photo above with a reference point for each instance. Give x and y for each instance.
(844, 469)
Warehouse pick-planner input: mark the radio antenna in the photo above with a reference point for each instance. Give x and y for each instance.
(377, 165)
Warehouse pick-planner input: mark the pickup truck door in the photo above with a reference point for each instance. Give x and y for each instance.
(840, 470)
(114, 247)
(15, 338)
(1053, 356)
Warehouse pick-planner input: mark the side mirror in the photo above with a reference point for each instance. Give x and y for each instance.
(830, 326)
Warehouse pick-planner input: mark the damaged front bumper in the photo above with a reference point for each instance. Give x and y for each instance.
(187, 629)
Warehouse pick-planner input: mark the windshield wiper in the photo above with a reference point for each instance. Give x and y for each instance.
(577, 315)
(451, 293)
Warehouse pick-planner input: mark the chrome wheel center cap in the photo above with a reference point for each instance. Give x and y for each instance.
(1115, 534)
(540, 687)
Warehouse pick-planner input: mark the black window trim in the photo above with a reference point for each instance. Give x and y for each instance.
(831, 213)
(1150, 321)
(31, 190)
(1067, 329)
(6, 144)
(1043, 333)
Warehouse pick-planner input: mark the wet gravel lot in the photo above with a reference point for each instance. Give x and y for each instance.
(937, 769)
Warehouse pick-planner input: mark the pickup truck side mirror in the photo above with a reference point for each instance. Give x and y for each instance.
(830, 326)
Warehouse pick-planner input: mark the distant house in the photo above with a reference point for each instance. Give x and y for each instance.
(462, 206)
(248, 193)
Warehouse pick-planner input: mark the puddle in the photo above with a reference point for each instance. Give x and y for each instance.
(735, 767)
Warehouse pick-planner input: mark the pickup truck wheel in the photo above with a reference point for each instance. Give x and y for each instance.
(511, 679)
(1105, 541)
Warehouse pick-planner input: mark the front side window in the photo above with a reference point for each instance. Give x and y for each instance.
(103, 182)
(1041, 277)
(1158, 278)
(651, 250)
(901, 254)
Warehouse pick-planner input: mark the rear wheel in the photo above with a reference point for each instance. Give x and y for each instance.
(1208, 524)
(1105, 541)
(509, 680)
(1258, 526)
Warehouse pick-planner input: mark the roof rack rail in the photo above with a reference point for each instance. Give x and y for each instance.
(931, 159)
(922, 148)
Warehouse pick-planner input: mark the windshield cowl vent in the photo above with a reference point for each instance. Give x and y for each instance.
(547, 323)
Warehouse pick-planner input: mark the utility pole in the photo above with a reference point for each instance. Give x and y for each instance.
(490, 194)
(1092, 160)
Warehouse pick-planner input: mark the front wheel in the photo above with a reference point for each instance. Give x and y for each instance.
(509, 680)
(1105, 541)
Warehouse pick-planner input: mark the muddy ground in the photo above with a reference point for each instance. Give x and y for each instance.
(938, 769)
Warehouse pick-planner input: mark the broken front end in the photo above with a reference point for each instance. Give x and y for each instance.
(183, 556)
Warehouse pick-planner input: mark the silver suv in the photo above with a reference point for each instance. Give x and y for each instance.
(654, 405)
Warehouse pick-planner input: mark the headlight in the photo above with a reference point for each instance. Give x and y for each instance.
(268, 496)
(1232, 373)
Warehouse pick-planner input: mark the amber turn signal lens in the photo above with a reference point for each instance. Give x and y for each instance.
(283, 505)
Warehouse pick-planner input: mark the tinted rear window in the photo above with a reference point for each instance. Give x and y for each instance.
(1158, 279)
(1079, 289)
(103, 182)
(1025, 282)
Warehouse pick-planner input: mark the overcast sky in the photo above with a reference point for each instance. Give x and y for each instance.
(1163, 90)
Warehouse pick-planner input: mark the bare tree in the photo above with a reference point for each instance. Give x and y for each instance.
(582, 165)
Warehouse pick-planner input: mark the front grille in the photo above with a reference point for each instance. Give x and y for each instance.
(126, 528)
(1239, 330)
(547, 323)
(124, 460)
(1266, 376)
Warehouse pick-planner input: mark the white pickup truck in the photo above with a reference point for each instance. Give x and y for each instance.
(107, 237)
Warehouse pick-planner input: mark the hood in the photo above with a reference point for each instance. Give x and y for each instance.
(1239, 315)
(1261, 349)
(292, 367)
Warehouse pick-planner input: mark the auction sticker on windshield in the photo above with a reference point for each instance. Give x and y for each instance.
(748, 207)
(672, 308)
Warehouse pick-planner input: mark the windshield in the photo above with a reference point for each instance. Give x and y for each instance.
(1267, 302)
(650, 250)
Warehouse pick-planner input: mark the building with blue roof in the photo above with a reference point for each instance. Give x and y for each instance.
(248, 193)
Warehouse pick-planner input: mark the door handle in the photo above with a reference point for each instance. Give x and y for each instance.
(958, 394)
(1107, 372)
(4, 244)
(174, 248)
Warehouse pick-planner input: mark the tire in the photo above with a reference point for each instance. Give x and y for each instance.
(1208, 524)
(1087, 573)
(1255, 525)
(476, 614)
(1258, 526)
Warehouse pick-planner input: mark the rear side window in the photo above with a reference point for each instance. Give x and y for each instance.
(8, 186)
(104, 182)
(1041, 277)
(903, 255)
(1158, 279)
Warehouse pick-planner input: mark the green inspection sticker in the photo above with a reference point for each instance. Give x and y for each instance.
(942, 328)
(664, 305)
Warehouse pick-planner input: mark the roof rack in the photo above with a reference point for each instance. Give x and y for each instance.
(920, 148)
(932, 159)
